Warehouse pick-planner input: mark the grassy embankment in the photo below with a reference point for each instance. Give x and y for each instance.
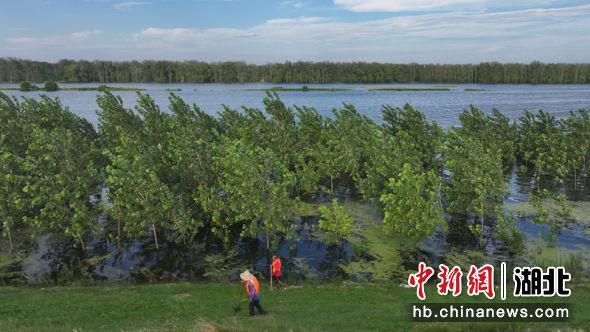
(185, 306)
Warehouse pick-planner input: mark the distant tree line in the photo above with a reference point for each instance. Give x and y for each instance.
(153, 71)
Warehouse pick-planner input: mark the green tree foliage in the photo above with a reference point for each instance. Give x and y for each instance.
(477, 185)
(294, 136)
(190, 177)
(330, 163)
(576, 130)
(508, 232)
(345, 144)
(253, 191)
(411, 203)
(410, 124)
(192, 136)
(10, 214)
(542, 145)
(311, 132)
(158, 161)
(494, 131)
(404, 137)
(12, 151)
(16, 70)
(51, 86)
(55, 172)
(335, 222)
(282, 132)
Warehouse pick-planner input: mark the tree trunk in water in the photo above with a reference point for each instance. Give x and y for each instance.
(268, 258)
(481, 235)
(9, 239)
(332, 186)
(82, 243)
(339, 258)
(155, 236)
(118, 234)
(539, 179)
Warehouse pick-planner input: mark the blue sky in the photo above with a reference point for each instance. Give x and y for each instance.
(261, 31)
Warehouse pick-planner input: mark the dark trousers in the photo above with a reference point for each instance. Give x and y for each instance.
(278, 281)
(258, 306)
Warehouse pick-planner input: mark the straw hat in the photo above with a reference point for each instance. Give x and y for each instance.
(246, 276)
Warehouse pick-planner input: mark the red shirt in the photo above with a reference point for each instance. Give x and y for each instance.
(276, 267)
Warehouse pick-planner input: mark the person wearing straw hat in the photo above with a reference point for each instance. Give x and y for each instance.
(253, 291)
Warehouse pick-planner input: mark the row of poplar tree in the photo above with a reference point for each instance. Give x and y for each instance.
(154, 71)
(184, 175)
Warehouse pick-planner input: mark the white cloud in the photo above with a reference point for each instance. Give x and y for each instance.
(183, 35)
(433, 25)
(291, 3)
(546, 34)
(129, 4)
(398, 5)
(85, 34)
(72, 39)
(297, 20)
(36, 42)
(421, 5)
(403, 38)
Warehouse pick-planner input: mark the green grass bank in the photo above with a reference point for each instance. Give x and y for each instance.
(197, 307)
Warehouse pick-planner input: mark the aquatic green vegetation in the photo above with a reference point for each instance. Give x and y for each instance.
(304, 88)
(409, 88)
(575, 262)
(101, 88)
(25, 86)
(379, 256)
(579, 210)
(507, 232)
(51, 86)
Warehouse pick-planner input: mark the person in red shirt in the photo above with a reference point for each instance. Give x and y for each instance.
(277, 274)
